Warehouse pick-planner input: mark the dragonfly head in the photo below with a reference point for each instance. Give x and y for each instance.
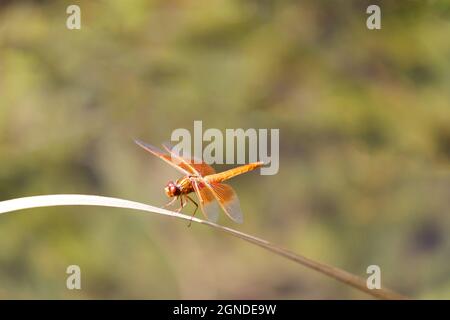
(172, 190)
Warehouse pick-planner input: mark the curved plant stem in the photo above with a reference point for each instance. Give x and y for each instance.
(90, 200)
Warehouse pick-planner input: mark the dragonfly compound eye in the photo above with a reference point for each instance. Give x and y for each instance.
(172, 189)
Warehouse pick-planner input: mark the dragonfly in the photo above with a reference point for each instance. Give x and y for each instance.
(200, 178)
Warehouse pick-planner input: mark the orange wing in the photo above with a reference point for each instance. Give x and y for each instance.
(186, 166)
(225, 196)
(208, 204)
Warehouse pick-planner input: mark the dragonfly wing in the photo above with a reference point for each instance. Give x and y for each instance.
(207, 202)
(192, 164)
(227, 199)
(203, 168)
(186, 166)
(160, 154)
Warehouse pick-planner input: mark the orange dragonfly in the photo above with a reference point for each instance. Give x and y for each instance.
(202, 179)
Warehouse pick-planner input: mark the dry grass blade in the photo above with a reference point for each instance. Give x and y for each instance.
(90, 200)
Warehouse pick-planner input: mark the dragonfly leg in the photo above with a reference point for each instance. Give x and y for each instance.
(169, 203)
(196, 207)
(182, 204)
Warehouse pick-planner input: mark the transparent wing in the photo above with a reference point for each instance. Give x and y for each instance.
(227, 199)
(162, 155)
(192, 164)
(186, 166)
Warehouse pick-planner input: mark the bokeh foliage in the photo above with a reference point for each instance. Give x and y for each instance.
(364, 120)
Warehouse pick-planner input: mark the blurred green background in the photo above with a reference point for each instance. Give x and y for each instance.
(364, 119)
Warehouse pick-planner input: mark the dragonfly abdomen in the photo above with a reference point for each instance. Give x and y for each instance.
(222, 176)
